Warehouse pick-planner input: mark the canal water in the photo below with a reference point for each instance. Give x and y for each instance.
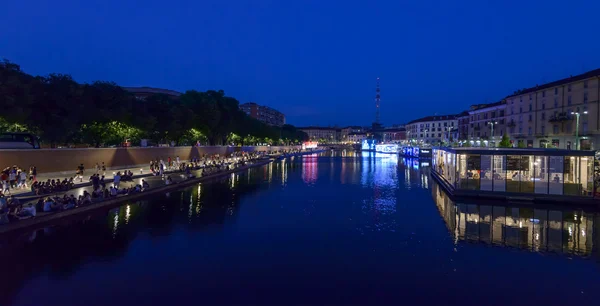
(338, 228)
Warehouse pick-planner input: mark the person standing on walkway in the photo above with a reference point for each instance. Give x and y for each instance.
(23, 179)
(95, 181)
(34, 173)
(12, 177)
(170, 163)
(162, 169)
(97, 168)
(178, 161)
(80, 169)
(103, 169)
(117, 179)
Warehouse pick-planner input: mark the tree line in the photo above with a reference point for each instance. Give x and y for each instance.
(63, 112)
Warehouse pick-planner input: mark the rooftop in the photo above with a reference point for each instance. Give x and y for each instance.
(434, 118)
(571, 79)
(317, 128)
(516, 151)
(151, 90)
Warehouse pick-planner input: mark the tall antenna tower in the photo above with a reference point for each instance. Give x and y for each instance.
(377, 101)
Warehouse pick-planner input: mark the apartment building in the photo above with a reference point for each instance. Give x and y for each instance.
(324, 134)
(433, 129)
(463, 125)
(553, 115)
(263, 113)
(486, 124)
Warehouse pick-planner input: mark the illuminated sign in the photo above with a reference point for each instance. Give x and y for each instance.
(309, 145)
(386, 148)
(368, 145)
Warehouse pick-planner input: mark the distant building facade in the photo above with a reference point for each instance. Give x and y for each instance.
(485, 119)
(141, 93)
(463, 125)
(393, 134)
(357, 137)
(263, 113)
(545, 115)
(316, 133)
(433, 129)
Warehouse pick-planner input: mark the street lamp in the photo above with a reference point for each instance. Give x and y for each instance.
(492, 123)
(448, 129)
(577, 114)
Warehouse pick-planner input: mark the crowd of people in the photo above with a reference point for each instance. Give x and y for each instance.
(14, 177)
(52, 186)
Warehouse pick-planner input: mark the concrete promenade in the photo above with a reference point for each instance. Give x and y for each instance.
(64, 162)
(108, 177)
(157, 186)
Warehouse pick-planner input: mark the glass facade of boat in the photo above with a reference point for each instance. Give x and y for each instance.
(529, 171)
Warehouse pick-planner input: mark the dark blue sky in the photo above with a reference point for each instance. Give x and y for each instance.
(316, 61)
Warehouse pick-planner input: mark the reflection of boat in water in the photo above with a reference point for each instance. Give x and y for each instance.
(550, 229)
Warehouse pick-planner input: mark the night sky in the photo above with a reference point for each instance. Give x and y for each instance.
(316, 61)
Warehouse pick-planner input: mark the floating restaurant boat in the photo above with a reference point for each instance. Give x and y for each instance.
(416, 152)
(531, 175)
(370, 145)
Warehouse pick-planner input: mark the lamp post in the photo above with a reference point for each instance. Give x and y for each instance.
(448, 129)
(492, 123)
(577, 114)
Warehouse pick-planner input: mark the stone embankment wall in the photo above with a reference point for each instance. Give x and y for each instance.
(67, 160)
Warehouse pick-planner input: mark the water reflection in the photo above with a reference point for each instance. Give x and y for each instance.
(368, 220)
(416, 173)
(309, 168)
(560, 230)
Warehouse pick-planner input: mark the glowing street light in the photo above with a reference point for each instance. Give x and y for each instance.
(492, 123)
(577, 114)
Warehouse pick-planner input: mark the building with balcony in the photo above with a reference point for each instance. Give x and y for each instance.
(546, 115)
(463, 126)
(433, 129)
(263, 113)
(486, 124)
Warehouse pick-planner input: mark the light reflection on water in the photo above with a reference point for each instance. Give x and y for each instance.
(357, 217)
(539, 229)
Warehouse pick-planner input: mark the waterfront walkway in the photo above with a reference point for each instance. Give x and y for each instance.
(138, 172)
(157, 184)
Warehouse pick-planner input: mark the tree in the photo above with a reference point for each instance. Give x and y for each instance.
(505, 142)
(62, 111)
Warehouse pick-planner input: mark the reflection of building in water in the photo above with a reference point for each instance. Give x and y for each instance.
(284, 172)
(379, 172)
(416, 173)
(309, 169)
(551, 230)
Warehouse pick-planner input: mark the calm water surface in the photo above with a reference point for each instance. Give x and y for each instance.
(342, 228)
